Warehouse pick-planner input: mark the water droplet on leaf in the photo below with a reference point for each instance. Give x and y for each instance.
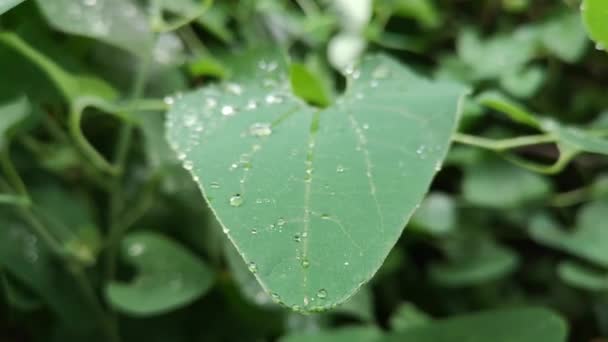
(236, 200)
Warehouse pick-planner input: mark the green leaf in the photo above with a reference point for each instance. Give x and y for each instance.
(512, 109)
(499, 55)
(589, 240)
(594, 14)
(407, 316)
(496, 183)
(564, 36)
(168, 276)
(6, 5)
(308, 85)
(480, 261)
(116, 22)
(424, 11)
(583, 277)
(514, 325)
(11, 114)
(523, 83)
(576, 139)
(359, 334)
(437, 214)
(279, 174)
(31, 262)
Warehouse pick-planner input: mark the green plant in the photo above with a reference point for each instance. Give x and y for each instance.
(376, 164)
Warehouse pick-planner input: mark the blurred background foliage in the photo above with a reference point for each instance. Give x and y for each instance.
(90, 187)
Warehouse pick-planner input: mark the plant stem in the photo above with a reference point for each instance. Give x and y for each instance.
(500, 145)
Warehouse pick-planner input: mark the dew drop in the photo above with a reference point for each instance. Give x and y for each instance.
(346, 263)
(210, 102)
(188, 165)
(275, 296)
(600, 47)
(365, 126)
(228, 110)
(236, 200)
(169, 101)
(251, 105)
(253, 268)
(296, 308)
(273, 99)
(254, 231)
(325, 216)
(181, 156)
(322, 294)
(281, 221)
(340, 169)
(297, 238)
(260, 129)
(136, 249)
(226, 230)
(234, 88)
(305, 263)
(381, 71)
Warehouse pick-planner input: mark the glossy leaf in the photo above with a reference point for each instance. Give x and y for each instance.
(11, 114)
(168, 276)
(6, 5)
(594, 16)
(117, 22)
(280, 174)
(589, 240)
(515, 325)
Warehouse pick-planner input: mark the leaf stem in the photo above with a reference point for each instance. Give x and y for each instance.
(500, 145)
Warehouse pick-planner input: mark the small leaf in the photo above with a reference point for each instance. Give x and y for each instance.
(268, 163)
(30, 261)
(407, 316)
(359, 334)
(499, 184)
(564, 36)
(583, 277)
(480, 262)
(6, 5)
(594, 14)
(588, 241)
(523, 83)
(514, 325)
(308, 85)
(11, 114)
(168, 276)
(436, 215)
(117, 22)
(576, 139)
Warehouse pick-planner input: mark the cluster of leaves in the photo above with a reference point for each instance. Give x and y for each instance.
(314, 130)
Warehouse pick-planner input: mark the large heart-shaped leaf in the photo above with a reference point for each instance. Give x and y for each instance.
(315, 199)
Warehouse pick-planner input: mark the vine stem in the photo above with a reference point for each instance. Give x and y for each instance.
(500, 145)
